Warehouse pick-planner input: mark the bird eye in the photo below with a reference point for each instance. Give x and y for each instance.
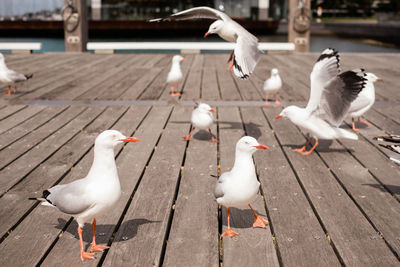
(114, 136)
(246, 143)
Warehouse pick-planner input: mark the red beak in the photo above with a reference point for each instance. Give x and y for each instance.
(277, 117)
(206, 34)
(130, 139)
(261, 147)
(380, 80)
(184, 59)
(212, 110)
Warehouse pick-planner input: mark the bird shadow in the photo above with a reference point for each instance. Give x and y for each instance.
(394, 189)
(242, 218)
(202, 135)
(253, 129)
(104, 231)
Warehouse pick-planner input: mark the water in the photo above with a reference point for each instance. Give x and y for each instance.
(318, 43)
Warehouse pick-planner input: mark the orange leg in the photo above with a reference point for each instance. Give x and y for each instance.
(354, 126)
(97, 248)
(172, 91)
(364, 122)
(15, 89)
(230, 67)
(9, 91)
(258, 221)
(304, 147)
(231, 57)
(187, 137)
(276, 100)
(212, 137)
(229, 231)
(266, 100)
(311, 150)
(84, 255)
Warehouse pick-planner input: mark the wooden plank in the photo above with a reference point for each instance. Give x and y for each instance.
(75, 120)
(254, 246)
(45, 231)
(29, 125)
(247, 89)
(20, 116)
(299, 235)
(191, 91)
(226, 84)
(390, 111)
(8, 110)
(209, 83)
(193, 238)
(165, 163)
(129, 174)
(355, 240)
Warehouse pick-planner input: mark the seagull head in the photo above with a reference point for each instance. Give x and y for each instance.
(111, 138)
(372, 77)
(178, 58)
(205, 108)
(215, 27)
(249, 144)
(290, 112)
(274, 71)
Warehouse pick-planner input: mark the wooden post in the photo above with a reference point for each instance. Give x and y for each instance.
(299, 22)
(75, 25)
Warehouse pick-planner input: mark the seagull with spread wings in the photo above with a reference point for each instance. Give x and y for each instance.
(245, 55)
(331, 95)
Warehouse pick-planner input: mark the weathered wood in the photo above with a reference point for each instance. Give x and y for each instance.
(76, 37)
(226, 84)
(153, 200)
(193, 239)
(299, 235)
(209, 82)
(19, 117)
(328, 199)
(299, 38)
(9, 110)
(253, 246)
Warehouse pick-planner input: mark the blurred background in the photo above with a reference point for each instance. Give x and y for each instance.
(347, 25)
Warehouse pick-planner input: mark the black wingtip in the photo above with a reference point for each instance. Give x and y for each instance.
(28, 76)
(32, 198)
(46, 193)
(329, 54)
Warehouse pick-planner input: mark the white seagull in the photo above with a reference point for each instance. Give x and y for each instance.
(11, 77)
(272, 86)
(92, 196)
(175, 75)
(330, 99)
(202, 118)
(245, 55)
(238, 187)
(364, 100)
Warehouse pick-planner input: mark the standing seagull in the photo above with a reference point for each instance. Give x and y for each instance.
(175, 75)
(92, 196)
(11, 77)
(245, 55)
(330, 99)
(238, 187)
(202, 118)
(272, 86)
(364, 101)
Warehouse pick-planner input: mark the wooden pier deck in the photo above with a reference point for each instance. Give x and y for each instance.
(337, 207)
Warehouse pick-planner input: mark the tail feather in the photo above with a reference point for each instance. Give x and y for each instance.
(28, 76)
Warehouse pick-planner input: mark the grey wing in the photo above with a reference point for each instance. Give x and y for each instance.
(195, 13)
(326, 67)
(15, 76)
(219, 191)
(69, 198)
(246, 56)
(338, 94)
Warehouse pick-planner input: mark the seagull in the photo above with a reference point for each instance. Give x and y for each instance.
(11, 77)
(364, 101)
(394, 138)
(272, 86)
(202, 118)
(92, 196)
(175, 75)
(238, 187)
(330, 99)
(245, 55)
